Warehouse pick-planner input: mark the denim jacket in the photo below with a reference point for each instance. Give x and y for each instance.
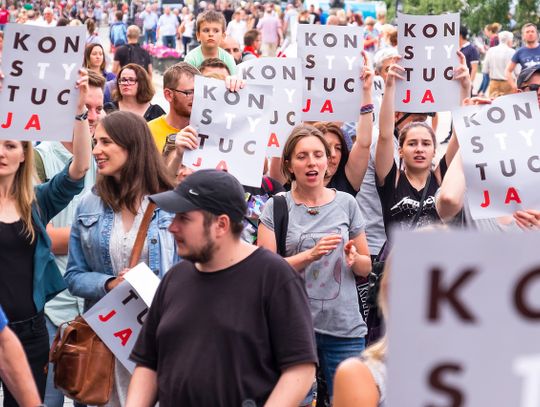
(89, 262)
(51, 198)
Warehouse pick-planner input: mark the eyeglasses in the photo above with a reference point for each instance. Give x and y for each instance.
(229, 50)
(127, 81)
(532, 87)
(186, 93)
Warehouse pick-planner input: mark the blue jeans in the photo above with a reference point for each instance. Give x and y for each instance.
(333, 350)
(33, 336)
(169, 41)
(53, 396)
(150, 36)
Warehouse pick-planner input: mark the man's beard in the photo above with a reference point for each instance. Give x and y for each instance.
(203, 255)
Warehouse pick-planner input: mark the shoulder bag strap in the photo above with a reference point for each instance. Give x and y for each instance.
(141, 235)
(421, 206)
(281, 223)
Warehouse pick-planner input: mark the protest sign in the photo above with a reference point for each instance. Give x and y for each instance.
(41, 66)
(464, 320)
(500, 147)
(232, 127)
(377, 92)
(428, 45)
(285, 75)
(331, 64)
(118, 317)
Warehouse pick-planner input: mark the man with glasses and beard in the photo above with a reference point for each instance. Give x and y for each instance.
(230, 324)
(178, 88)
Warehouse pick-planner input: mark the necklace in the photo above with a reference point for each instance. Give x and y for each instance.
(314, 210)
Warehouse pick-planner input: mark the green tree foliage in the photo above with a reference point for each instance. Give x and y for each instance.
(527, 11)
(475, 14)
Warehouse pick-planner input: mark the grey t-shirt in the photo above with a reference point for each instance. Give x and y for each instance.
(369, 201)
(330, 284)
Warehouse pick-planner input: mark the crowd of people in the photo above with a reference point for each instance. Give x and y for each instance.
(259, 301)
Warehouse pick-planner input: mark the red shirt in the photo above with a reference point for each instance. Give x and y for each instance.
(251, 50)
(4, 16)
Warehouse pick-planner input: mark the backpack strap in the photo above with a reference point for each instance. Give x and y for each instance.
(281, 223)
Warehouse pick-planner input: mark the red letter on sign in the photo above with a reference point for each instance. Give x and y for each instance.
(485, 204)
(222, 166)
(7, 124)
(107, 317)
(308, 106)
(198, 162)
(124, 335)
(33, 122)
(327, 107)
(273, 140)
(428, 97)
(512, 195)
(407, 97)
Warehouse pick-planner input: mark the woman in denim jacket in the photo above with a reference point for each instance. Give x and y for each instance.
(108, 218)
(29, 275)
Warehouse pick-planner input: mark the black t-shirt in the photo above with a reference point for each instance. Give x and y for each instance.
(340, 182)
(132, 53)
(16, 271)
(222, 338)
(400, 203)
(153, 111)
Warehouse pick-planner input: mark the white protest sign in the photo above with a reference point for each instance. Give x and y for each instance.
(428, 45)
(500, 147)
(285, 75)
(233, 129)
(331, 64)
(41, 66)
(377, 92)
(118, 317)
(464, 320)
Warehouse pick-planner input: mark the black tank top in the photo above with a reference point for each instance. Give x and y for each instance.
(16, 271)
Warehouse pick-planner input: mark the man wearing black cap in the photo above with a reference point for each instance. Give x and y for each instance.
(229, 325)
(529, 80)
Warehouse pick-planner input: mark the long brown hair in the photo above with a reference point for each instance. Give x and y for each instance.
(143, 173)
(23, 189)
(88, 50)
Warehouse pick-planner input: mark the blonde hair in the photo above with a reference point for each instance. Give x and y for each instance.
(23, 189)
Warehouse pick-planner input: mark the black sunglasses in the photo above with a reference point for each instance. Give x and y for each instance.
(532, 87)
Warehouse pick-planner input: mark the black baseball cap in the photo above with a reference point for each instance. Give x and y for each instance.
(526, 74)
(217, 192)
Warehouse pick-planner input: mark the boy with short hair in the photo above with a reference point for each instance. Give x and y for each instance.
(210, 33)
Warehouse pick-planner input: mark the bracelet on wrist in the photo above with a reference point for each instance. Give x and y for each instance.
(367, 108)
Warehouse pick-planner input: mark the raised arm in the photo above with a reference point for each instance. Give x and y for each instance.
(82, 147)
(384, 152)
(450, 197)
(357, 164)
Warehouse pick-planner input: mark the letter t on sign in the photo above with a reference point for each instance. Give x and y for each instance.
(438, 294)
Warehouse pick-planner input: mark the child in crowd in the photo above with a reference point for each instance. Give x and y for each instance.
(210, 33)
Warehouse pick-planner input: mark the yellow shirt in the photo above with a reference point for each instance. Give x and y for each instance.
(160, 130)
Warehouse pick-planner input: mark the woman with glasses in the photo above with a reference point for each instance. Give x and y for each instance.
(133, 93)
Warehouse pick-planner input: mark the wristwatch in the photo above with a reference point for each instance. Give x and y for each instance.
(82, 117)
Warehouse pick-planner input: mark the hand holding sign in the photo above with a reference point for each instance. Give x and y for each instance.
(395, 71)
(366, 77)
(528, 219)
(1, 79)
(234, 84)
(82, 86)
(461, 74)
(187, 138)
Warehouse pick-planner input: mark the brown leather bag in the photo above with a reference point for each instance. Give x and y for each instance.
(83, 364)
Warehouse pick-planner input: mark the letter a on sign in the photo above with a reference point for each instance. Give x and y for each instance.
(123, 335)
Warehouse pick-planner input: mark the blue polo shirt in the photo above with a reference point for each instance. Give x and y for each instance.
(3, 319)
